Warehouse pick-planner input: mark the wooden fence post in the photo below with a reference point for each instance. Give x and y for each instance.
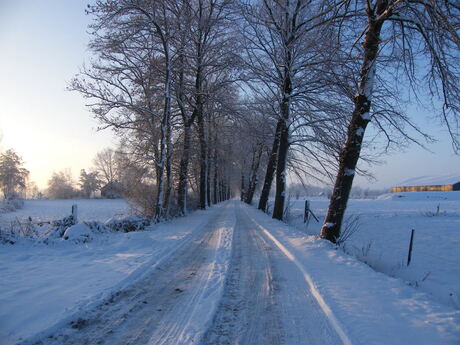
(74, 214)
(409, 255)
(306, 212)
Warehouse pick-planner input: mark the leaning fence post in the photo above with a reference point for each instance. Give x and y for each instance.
(74, 214)
(306, 211)
(409, 255)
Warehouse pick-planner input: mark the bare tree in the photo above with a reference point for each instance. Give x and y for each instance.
(61, 186)
(212, 55)
(107, 165)
(270, 170)
(132, 42)
(32, 191)
(418, 39)
(254, 133)
(181, 89)
(285, 53)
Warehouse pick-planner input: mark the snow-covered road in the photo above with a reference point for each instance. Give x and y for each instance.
(266, 298)
(242, 278)
(171, 305)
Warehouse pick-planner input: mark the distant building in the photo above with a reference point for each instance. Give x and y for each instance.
(112, 190)
(429, 184)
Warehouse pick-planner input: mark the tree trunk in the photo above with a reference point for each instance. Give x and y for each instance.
(280, 194)
(203, 161)
(159, 206)
(221, 190)
(165, 124)
(248, 190)
(253, 180)
(283, 148)
(271, 166)
(228, 193)
(215, 178)
(183, 171)
(208, 169)
(243, 187)
(168, 171)
(351, 150)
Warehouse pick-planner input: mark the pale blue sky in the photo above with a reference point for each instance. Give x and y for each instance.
(43, 44)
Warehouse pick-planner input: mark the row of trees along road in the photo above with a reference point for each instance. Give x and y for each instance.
(15, 184)
(211, 96)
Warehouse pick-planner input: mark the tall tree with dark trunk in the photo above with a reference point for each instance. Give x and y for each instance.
(270, 171)
(281, 52)
(254, 172)
(211, 54)
(283, 145)
(420, 27)
(183, 15)
(130, 83)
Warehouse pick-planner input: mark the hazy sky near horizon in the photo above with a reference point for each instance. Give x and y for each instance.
(43, 44)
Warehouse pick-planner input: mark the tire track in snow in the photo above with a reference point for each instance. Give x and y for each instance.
(326, 310)
(266, 298)
(170, 306)
(249, 295)
(189, 322)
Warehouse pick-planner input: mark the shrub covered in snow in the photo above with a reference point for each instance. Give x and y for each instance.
(127, 224)
(10, 205)
(61, 225)
(17, 229)
(6, 237)
(85, 231)
(67, 228)
(78, 233)
(96, 226)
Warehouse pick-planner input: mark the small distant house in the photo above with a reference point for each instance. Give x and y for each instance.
(112, 190)
(429, 184)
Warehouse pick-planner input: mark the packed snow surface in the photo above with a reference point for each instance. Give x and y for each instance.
(227, 275)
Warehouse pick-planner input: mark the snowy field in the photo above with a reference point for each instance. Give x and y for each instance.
(311, 290)
(46, 210)
(382, 238)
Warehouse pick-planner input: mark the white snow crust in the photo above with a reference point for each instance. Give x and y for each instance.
(349, 172)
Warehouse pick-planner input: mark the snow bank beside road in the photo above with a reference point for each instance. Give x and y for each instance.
(41, 285)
